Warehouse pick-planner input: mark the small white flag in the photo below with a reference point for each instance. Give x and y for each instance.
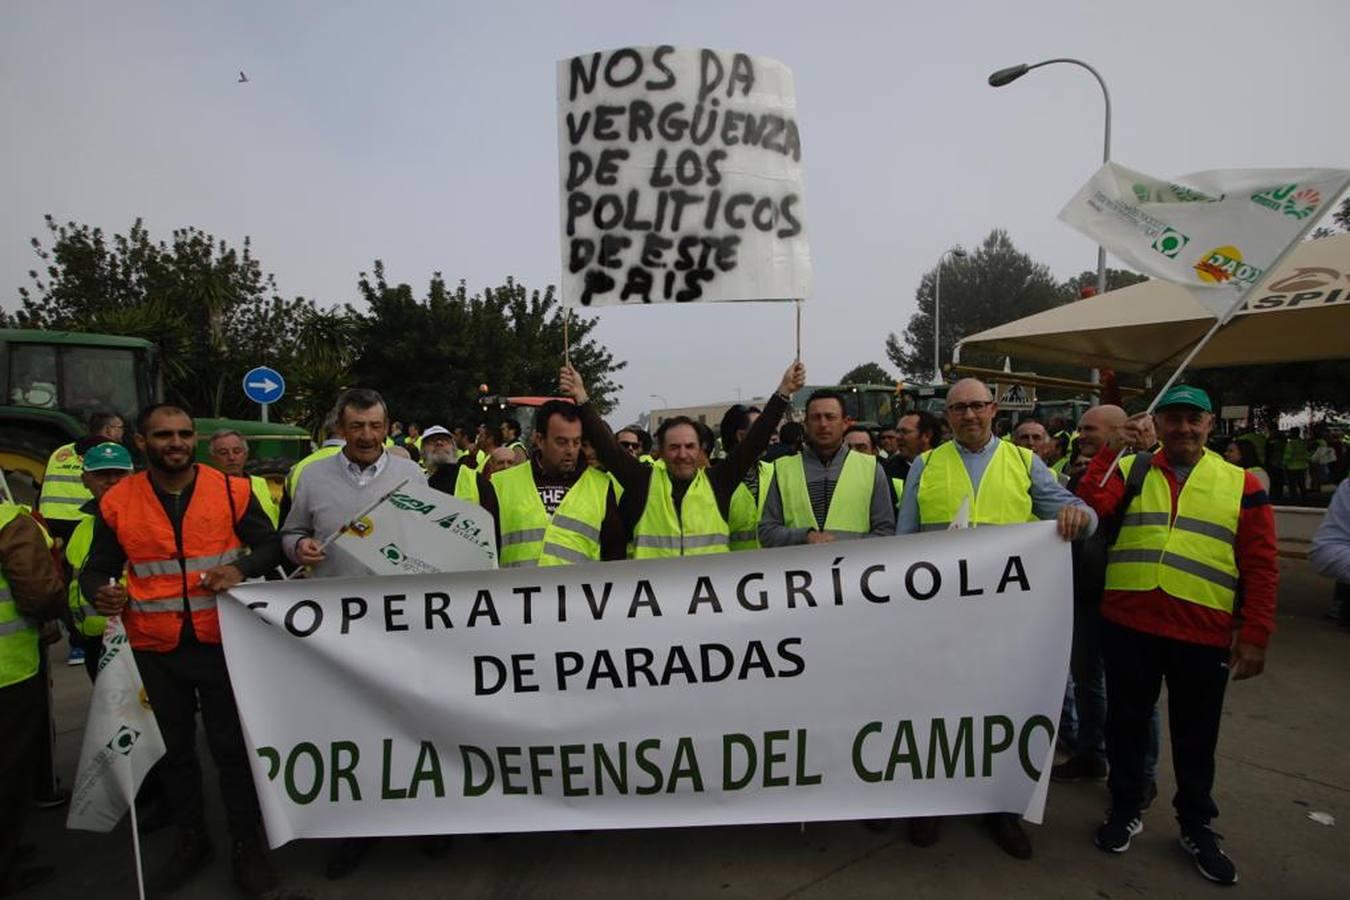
(1216, 232)
(121, 739)
(419, 529)
(962, 517)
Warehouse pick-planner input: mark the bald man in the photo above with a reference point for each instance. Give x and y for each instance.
(1004, 484)
(1088, 762)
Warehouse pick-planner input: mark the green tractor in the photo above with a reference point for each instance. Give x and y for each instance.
(51, 381)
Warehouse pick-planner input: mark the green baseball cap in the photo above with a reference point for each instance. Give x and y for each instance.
(107, 456)
(1185, 395)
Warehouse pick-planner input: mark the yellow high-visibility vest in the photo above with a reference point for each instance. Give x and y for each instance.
(573, 532)
(63, 490)
(1191, 555)
(1004, 497)
(850, 510)
(697, 529)
(18, 636)
(746, 509)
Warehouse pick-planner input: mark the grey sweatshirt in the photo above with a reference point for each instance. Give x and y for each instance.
(327, 498)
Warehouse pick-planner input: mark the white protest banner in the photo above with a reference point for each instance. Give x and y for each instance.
(1216, 232)
(420, 529)
(681, 178)
(898, 676)
(121, 739)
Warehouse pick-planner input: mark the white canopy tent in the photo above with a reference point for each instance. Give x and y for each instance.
(1299, 313)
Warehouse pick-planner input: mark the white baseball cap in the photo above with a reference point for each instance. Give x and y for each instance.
(435, 430)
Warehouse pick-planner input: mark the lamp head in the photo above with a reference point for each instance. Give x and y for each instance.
(1008, 75)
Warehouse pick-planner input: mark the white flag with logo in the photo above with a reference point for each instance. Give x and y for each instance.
(121, 739)
(1216, 232)
(419, 529)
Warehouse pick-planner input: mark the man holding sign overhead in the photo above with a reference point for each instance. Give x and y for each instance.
(679, 507)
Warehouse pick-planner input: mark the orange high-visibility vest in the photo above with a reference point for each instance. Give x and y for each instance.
(163, 578)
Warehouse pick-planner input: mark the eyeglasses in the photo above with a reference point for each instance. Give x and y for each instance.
(630, 445)
(975, 406)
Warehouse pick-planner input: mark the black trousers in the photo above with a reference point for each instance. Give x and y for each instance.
(1197, 676)
(176, 682)
(22, 721)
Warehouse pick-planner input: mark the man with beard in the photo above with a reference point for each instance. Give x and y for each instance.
(680, 508)
(444, 471)
(555, 510)
(184, 532)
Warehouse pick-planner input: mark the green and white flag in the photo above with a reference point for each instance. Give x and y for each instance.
(1216, 232)
(121, 739)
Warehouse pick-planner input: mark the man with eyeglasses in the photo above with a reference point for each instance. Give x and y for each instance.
(1002, 484)
(636, 443)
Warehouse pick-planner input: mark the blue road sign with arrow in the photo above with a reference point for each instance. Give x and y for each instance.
(264, 385)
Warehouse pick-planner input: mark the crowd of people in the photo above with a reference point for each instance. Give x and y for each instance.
(1175, 573)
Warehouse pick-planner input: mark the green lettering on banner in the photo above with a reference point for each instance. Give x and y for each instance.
(467, 753)
(729, 742)
(802, 777)
(508, 770)
(387, 791)
(904, 740)
(862, 771)
(965, 740)
(569, 770)
(618, 776)
(771, 757)
(344, 770)
(297, 795)
(537, 769)
(990, 746)
(1024, 741)
(685, 766)
(651, 768)
(428, 768)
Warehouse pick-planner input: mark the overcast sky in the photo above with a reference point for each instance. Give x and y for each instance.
(425, 134)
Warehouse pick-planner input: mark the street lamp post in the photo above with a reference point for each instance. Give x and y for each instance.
(1012, 73)
(937, 305)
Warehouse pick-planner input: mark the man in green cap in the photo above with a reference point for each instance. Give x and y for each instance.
(1193, 528)
(105, 464)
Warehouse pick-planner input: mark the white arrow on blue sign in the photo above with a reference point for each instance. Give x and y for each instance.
(264, 385)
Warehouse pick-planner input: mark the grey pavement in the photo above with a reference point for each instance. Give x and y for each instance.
(1282, 755)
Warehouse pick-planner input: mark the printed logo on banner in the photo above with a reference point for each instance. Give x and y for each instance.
(1224, 264)
(362, 527)
(124, 740)
(1171, 193)
(1170, 243)
(392, 553)
(1289, 200)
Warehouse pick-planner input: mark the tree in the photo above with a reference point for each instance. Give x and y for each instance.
(429, 356)
(994, 284)
(867, 373)
(210, 308)
(1073, 289)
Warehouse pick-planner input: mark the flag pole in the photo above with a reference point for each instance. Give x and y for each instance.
(1225, 319)
(136, 848)
(567, 344)
(798, 303)
(363, 513)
